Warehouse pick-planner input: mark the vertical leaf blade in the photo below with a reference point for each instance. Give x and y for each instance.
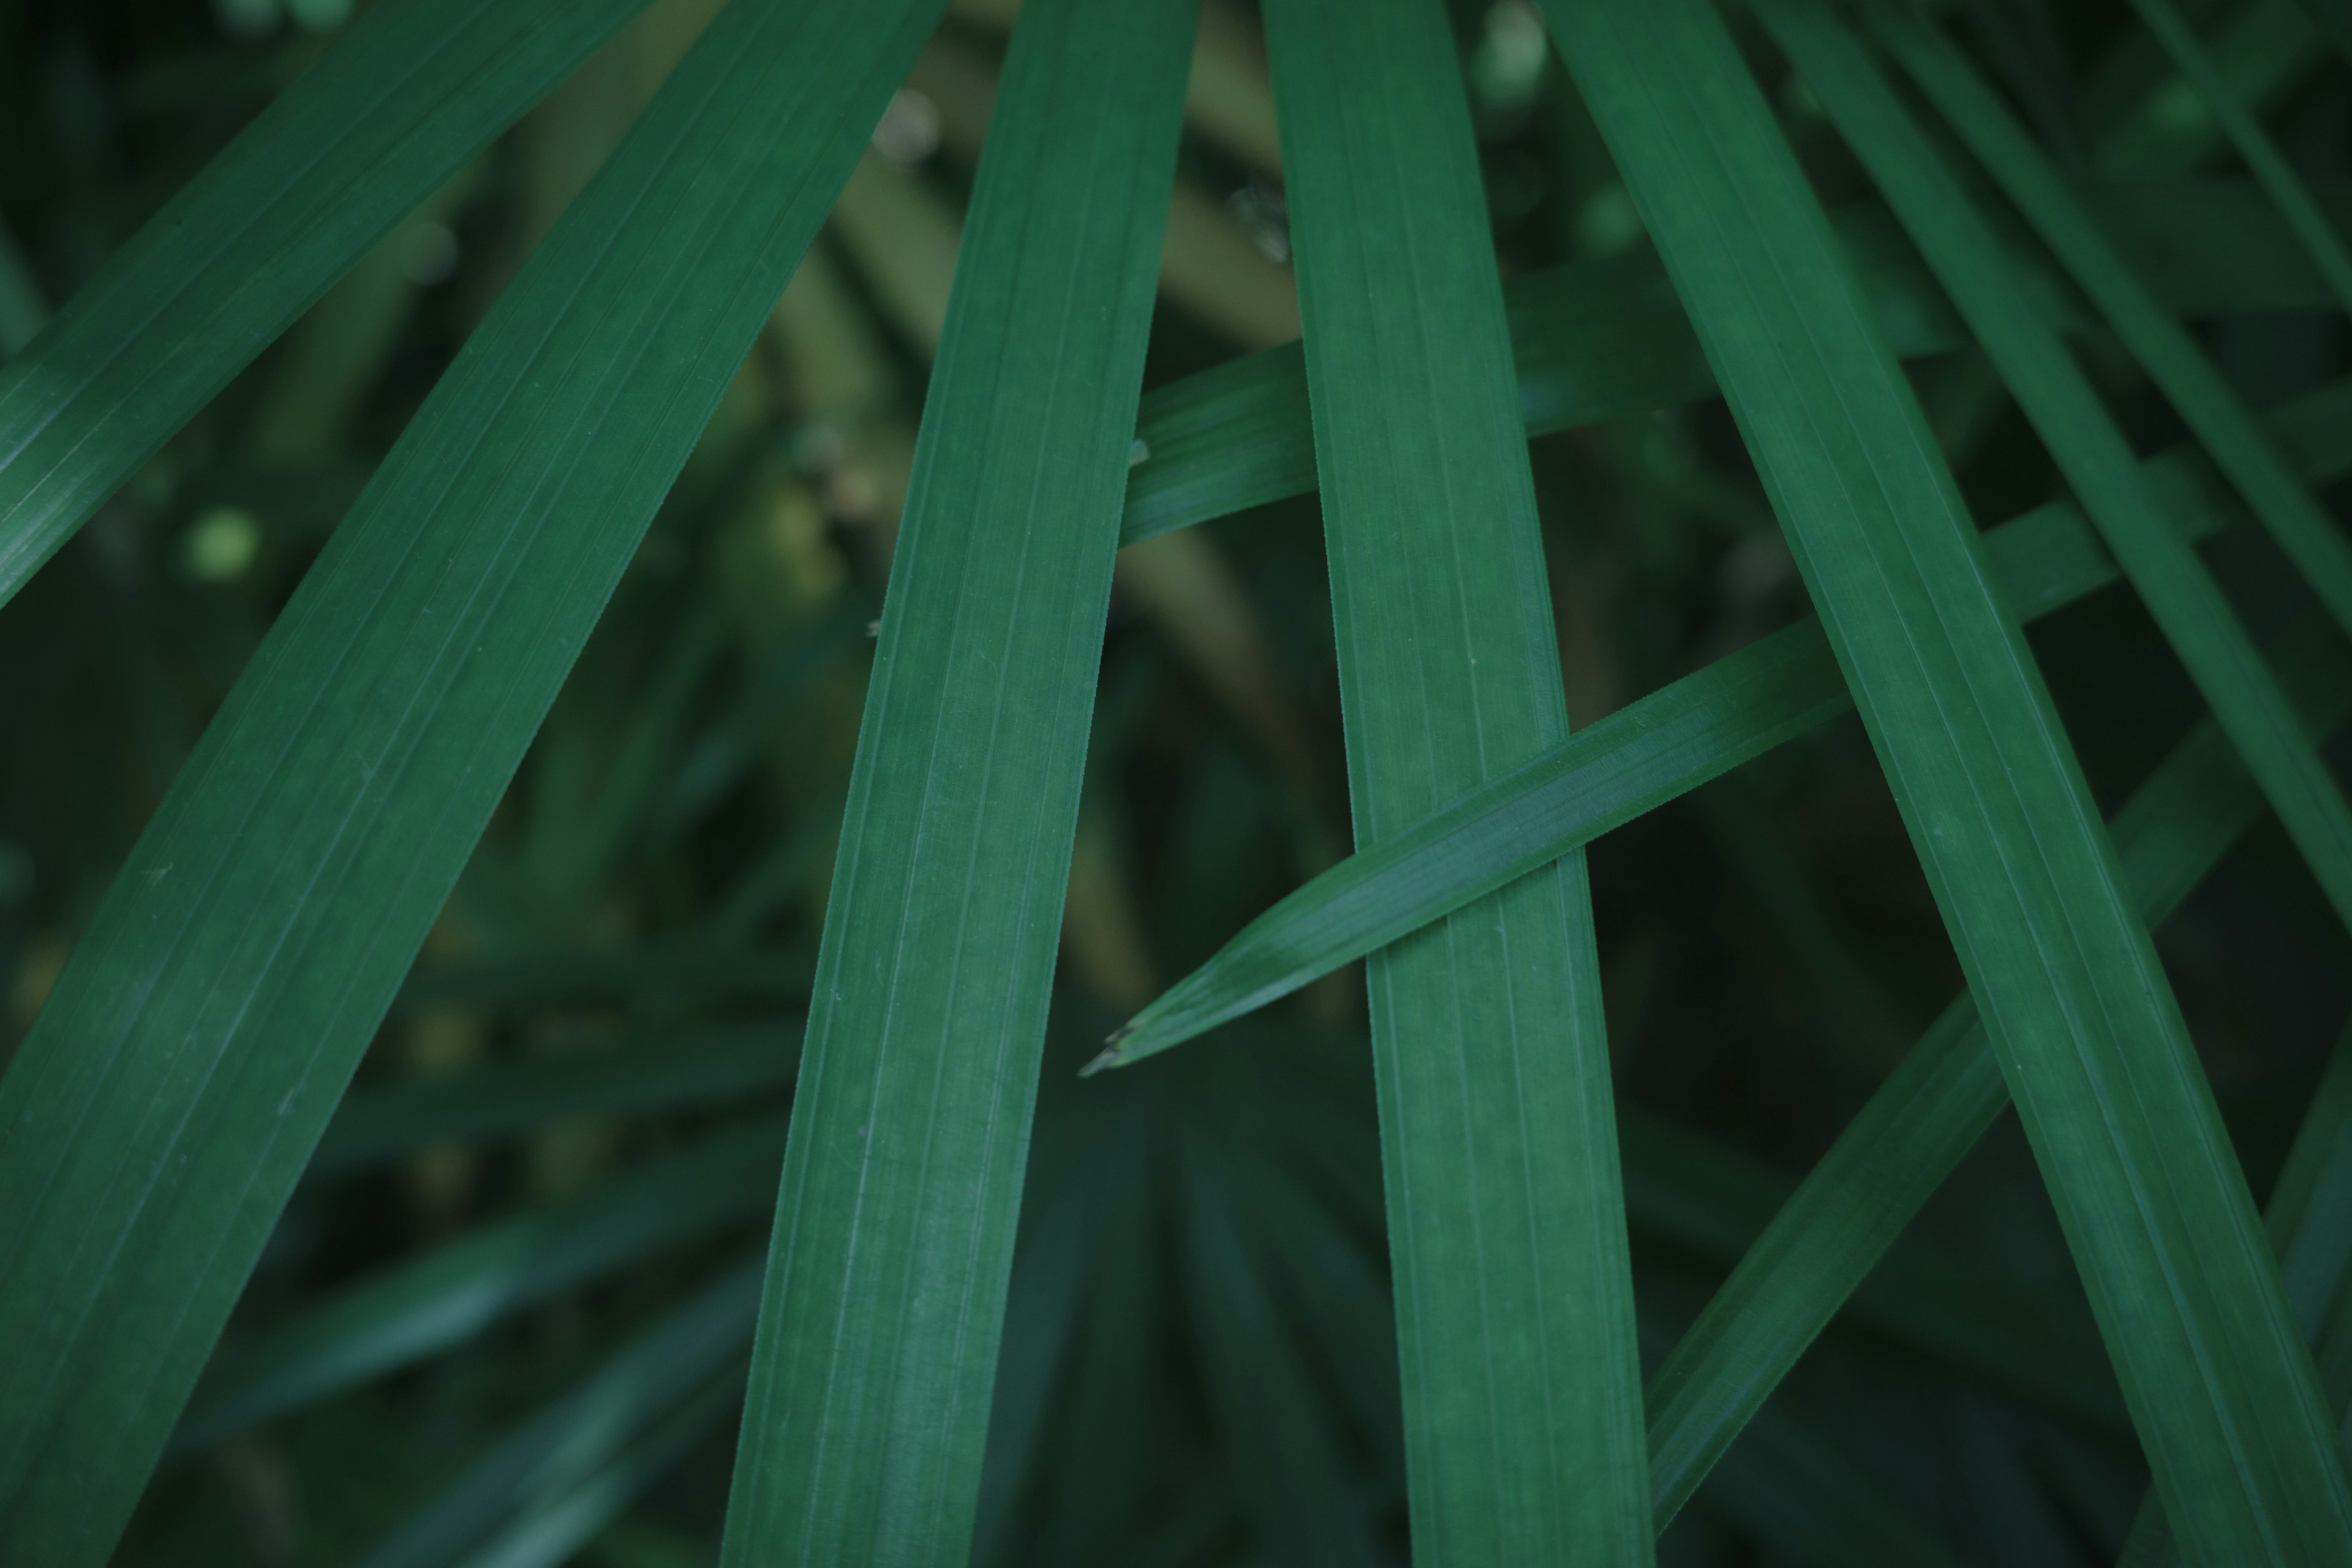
(870, 1385)
(2081, 1017)
(1507, 1230)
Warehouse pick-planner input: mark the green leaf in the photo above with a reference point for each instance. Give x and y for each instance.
(1655, 750)
(409, 93)
(1604, 776)
(1597, 340)
(510, 1097)
(2057, 398)
(576, 1436)
(1513, 1298)
(2318, 236)
(1861, 1195)
(2081, 1017)
(2173, 360)
(553, 1532)
(163, 1104)
(869, 1400)
(440, 1298)
(1789, 1484)
(2309, 1217)
(1714, 1202)
(1300, 1488)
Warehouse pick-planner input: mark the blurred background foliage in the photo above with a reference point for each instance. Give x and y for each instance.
(505, 1318)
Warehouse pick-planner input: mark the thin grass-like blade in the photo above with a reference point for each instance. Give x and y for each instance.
(2079, 1011)
(164, 1103)
(869, 1397)
(2319, 238)
(1297, 1483)
(2205, 400)
(1506, 1222)
(1716, 1203)
(406, 96)
(1862, 1193)
(577, 1435)
(1597, 340)
(436, 1300)
(2309, 1218)
(553, 1533)
(1656, 750)
(510, 1097)
(2057, 398)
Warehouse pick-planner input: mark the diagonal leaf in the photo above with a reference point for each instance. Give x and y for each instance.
(2081, 1017)
(1299, 1487)
(553, 1533)
(1862, 1195)
(436, 1300)
(2309, 1218)
(2319, 238)
(577, 1435)
(2057, 398)
(868, 1405)
(2196, 389)
(1514, 1303)
(163, 1106)
(1653, 750)
(410, 92)
(1712, 1200)
(500, 1101)
(1596, 339)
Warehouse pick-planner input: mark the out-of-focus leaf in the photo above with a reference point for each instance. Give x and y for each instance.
(2205, 400)
(578, 1436)
(441, 1297)
(496, 1101)
(405, 98)
(1306, 1502)
(163, 1106)
(2319, 238)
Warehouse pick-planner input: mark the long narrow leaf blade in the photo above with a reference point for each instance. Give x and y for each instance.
(868, 1405)
(411, 91)
(1597, 340)
(575, 1435)
(2080, 434)
(2318, 236)
(509, 1097)
(435, 1300)
(2191, 381)
(2081, 1017)
(1506, 1234)
(1655, 751)
(163, 1106)
(2309, 1218)
(1862, 1193)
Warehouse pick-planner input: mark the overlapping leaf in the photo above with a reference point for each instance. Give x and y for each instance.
(2081, 1017)
(1507, 1241)
(868, 1400)
(163, 1107)
(409, 94)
